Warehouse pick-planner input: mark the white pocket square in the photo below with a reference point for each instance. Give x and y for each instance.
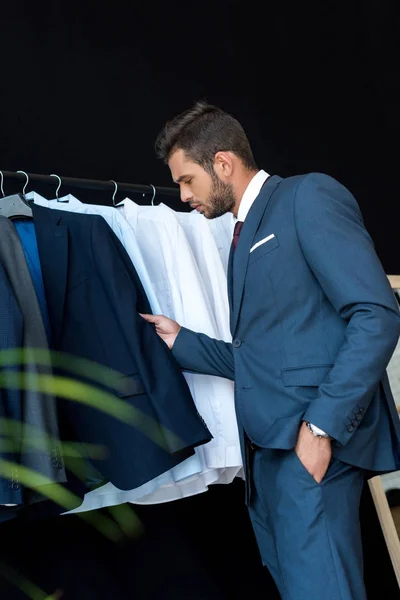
(261, 242)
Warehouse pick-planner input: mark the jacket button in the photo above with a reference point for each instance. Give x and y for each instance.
(236, 343)
(350, 428)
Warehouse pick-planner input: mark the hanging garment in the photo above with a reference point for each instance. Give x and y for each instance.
(192, 475)
(26, 233)
(205, 251)
(222, 230)
(11, 336)
(94, 296)
(169, 259)
(208, 259)
(40, 448)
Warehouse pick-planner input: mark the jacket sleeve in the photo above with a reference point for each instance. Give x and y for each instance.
(198, 353)
(341, 255)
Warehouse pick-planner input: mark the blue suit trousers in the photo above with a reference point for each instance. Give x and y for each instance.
(308, 533)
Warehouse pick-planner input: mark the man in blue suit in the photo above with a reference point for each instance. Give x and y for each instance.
(314, 323)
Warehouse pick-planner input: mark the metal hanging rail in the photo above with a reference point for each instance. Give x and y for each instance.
(92, 184)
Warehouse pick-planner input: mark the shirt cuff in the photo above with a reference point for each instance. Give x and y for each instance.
(318, 431)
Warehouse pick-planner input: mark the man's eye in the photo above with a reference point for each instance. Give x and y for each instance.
(188, 181)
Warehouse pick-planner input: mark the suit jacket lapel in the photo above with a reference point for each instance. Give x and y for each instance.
(238, 264)
(52, 240)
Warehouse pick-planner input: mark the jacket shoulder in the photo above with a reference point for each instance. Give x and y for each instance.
(309, 180)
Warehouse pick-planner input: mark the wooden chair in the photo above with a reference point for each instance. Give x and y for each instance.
(387, 523)
(382, 507)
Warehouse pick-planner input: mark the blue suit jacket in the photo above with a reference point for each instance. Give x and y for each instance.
(314, 324)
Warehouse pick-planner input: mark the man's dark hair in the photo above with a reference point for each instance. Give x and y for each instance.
(201, 132)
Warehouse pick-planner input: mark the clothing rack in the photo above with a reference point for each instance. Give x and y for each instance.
(91, 184)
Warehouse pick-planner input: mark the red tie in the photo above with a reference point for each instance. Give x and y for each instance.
(236, 233)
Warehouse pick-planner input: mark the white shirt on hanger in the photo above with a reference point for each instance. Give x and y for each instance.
(222, 230)
(169, 257)
(200, 237)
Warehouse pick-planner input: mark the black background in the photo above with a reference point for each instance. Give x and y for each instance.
(84, 90)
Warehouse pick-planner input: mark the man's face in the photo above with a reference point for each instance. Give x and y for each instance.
(207, 194)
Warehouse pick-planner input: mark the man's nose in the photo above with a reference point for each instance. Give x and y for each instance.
(186, 195)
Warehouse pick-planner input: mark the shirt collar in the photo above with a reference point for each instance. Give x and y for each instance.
(38, 199)
(251, 193)
(70, 199)
(129, 209)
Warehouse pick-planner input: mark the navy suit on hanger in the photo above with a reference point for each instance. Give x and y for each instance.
(93, 296)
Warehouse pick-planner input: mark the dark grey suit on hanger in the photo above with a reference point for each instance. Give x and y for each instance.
(11, 335)
(40, 449)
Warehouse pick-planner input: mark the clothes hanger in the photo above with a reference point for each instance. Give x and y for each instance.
(154, 194)
(115, 190)
(15, 206)
(59, 185)
(26, 182)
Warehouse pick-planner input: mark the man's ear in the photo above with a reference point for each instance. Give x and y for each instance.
(223, 164)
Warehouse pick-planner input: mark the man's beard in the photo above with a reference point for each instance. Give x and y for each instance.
(222, 198)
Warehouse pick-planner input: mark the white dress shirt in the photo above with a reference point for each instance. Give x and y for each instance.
(200, 237)
(169, 257)
(251, 193)
(205, 251)
(222, 229)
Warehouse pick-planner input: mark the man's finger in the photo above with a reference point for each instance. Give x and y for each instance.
(150, 318)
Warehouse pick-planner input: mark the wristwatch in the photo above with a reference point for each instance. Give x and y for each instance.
(316, 431)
